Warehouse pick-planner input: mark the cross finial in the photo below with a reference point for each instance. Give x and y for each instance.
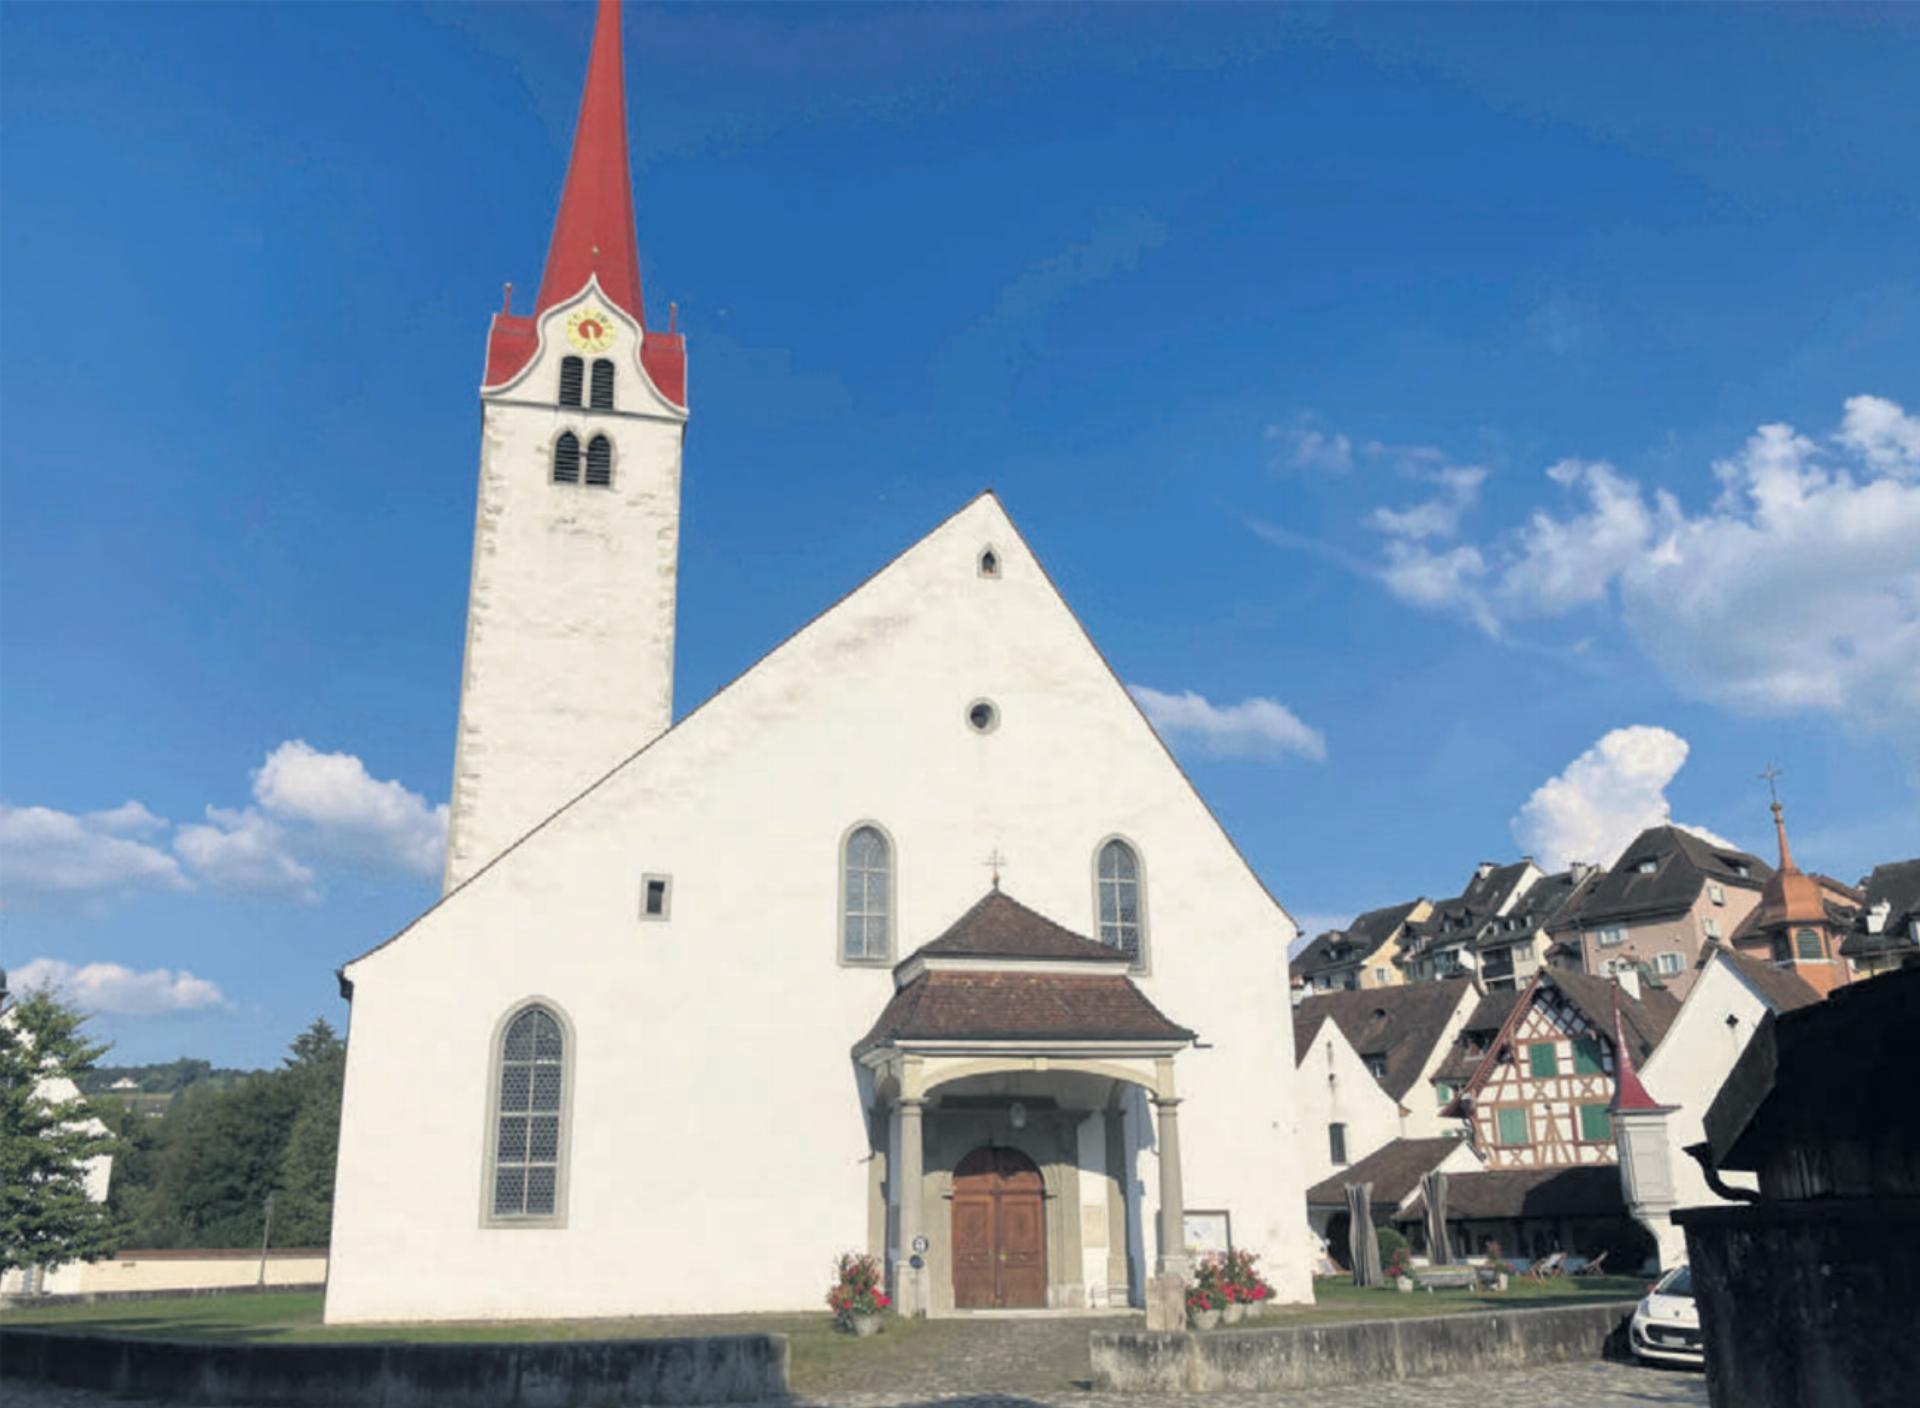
(1768, 775)
(994, 861)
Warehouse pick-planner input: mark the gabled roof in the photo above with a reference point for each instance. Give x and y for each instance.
(1540, 906)
(1681, 864)
(1783, 990)
(999, 926)
(1592, 1191)
(999, 1005)
(1645, 1019)
(1483, 1024)
(1402, 1024)
(1465, 917)
(1897, 886)
(1356, 943)
(1394, 1170)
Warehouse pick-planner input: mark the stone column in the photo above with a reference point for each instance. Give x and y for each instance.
(909, 1283)
(1172, 1260)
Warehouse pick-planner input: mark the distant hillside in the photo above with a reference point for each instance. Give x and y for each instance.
(166, 1078)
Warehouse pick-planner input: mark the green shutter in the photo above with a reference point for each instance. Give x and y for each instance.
(1513, 1126)
(1586, 1057)
(1443, 1091)
(1543, 1059)
(1595, 1123)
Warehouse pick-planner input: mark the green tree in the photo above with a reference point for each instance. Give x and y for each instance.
(303, 1214)
(47, 1138)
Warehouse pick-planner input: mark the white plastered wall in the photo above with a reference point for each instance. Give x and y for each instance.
(716, 1121)
(570, 614)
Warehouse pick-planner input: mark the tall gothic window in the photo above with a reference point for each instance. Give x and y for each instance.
(602, 393)
(1117, 884)
(571, 371)
(599, 462)
(529, 1118)
(866, 896)
(566, 459)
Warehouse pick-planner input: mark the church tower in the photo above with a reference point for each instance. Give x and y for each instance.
(569, 656)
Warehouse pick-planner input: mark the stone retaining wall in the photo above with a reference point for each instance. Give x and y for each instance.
(1361, 1351)
(716, 1369)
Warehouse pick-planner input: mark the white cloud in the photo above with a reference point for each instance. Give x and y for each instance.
(1604, 798)
(345, 812)
(1302, 447)
(128, 819)
(111, 988)
(55, 858)
(246, 853)
(1797, 591)
(1439, 516)
(1255, 727)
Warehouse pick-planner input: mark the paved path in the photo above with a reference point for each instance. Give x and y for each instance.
(1563, 1386)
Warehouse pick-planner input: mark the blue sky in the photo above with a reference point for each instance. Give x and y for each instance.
(1392, 380)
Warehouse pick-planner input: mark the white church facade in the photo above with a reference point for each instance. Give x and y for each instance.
(912, 939)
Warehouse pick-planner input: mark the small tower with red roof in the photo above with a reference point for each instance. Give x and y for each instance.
(570, 616)
(1801, 919)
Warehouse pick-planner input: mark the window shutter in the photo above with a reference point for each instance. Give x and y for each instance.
(566, 459)
(599, 462)
(571, 369)
(602, 384)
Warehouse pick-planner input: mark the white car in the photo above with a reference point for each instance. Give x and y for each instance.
(1666, 1325)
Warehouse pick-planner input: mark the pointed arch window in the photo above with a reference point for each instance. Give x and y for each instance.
(572, 372)
(1118, 896)
(527, 1138)
(866, 896)
(566, 459)
(600, 462)
(601, 395)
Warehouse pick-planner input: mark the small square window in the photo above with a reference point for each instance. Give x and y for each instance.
(1543, 1059)
(1717, 892)
(1710, 927)
(1669, 963)
(656, 896)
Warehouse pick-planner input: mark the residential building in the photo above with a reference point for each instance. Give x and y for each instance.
(1513, 946)
(1445, 943)
(1885, 933)
(1360, 956)
(1670, 893)
(1730, 997)
(1801, 920)
(1365, 1063)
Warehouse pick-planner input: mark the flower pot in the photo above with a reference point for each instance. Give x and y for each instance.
(864, 1325)
(1405, 1283)
(1255, 1309)
(1500, 1281)
(1205, 1319)
(1233, 1313)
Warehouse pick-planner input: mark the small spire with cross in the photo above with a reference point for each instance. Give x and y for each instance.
(993, 862)
(1779, 820)
(1767, 775)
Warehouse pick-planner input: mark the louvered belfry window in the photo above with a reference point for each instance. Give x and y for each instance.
(599, 462)
(527, 1117)
(566, 459)
(602, 384)
(572, 370)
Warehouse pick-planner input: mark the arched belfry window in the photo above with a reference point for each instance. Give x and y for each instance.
(528, 1134)
(1118, 895)
(572, 370)
(566, 459)
(866, 896)
(602, 392)
(599, 462)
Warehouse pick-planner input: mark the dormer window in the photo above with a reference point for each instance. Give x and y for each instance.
(572, 377)
(1647, 866)
(602, 392)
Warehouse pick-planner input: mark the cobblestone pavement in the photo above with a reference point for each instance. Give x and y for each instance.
(1562, 1386)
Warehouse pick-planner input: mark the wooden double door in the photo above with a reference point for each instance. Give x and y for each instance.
(999, 1232)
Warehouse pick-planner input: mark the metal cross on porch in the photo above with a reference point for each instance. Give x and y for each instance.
(994, 861)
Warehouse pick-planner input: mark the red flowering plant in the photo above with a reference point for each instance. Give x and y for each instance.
(1211, 1289)
(1240, 1273)
(857, 1287)
(1400, 1263)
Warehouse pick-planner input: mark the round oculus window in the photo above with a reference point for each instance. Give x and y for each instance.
(982, 716)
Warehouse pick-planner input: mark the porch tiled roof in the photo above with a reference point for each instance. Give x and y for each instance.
(998, 1005)
(1394, 1170)
(999, 926)
(1592, 1191)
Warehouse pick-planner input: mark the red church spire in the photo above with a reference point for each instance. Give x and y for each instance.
(1628, 1092)
(593, 234)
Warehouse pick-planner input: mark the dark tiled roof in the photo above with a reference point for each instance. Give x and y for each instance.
(1394, 1170)
(1593, 1191)
(1465, 915)
(1403, 1024)
(1896, 885)
(1783, 990)
(1540, 906)
(1646, 1018)
(1357, 942)
(999, 926)
(1682, 863)
(997, 1005)
(1484, 1022)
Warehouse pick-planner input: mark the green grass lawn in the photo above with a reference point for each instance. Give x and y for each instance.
(911, 1356)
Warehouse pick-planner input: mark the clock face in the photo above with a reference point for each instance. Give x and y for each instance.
(590, 328)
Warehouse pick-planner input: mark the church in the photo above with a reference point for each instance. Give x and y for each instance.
(706, 1003)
